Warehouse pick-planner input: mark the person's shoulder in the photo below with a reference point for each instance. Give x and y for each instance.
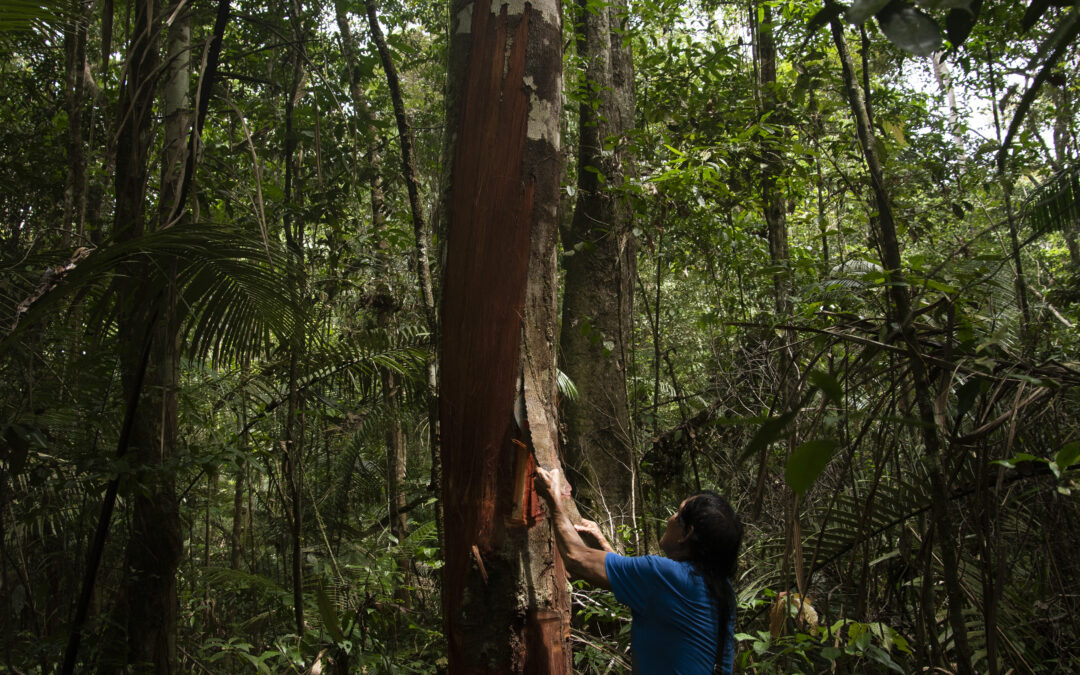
(654, 564)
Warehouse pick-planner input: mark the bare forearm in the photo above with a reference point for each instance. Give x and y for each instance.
(582, 561)
(570, 542)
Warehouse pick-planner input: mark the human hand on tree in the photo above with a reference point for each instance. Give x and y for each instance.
(549, 485)
(592, 530)
(582, 561)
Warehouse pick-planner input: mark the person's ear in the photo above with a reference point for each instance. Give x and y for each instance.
(689, 532)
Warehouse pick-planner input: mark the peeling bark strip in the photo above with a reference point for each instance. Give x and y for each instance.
(505, 597)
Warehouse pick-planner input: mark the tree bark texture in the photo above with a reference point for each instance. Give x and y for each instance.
(75, 77)
(774, 210)
(422, 239)
(771, 159)
(147, 606)
(600, 260)
(505, 596)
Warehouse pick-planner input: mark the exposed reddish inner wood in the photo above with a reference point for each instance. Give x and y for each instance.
(490, 215)
(546, 640)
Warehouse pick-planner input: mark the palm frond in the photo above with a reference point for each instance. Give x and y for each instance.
(21, 16)
(1055, 205)
(233, 302)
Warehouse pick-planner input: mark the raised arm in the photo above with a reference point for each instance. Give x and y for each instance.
(581, 561)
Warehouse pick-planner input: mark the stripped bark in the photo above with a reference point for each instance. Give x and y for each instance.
(505, 596)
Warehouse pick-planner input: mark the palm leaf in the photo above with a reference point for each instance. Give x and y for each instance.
(21, 16)
(232, 301)
(1055, 205)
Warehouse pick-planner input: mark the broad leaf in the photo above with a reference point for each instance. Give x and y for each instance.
(861, 10)
(965, 396)
(329, 615)
(1067, 456)
(807, 462)
(910, 29)
(769, 431)
(828, 384)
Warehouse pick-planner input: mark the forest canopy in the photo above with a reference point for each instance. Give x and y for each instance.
(296, 295)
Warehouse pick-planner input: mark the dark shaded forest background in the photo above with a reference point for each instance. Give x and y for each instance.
(822, 259)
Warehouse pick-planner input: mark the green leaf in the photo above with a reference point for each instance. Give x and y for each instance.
(1018, 458)
(828, 384)
(768, 432)
(1068, 455)
(807, 462)
(329, 615)
(965, 396)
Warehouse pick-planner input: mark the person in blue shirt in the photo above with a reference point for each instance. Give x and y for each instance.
(682, 603)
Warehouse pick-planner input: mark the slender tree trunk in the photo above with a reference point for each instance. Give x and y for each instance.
(506, 605)
(600, 260)
(1064, 151)
(771, 158)
(886, 240)
(422, 237)
(775, 212)
(178, 115)
(293, 444)
(236, 548)
(365, 117)
(75, 186)
(292, 458)
(395, 434)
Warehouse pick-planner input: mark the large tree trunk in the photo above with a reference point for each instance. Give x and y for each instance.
(505, 594)
(600, 258)
(148, 603)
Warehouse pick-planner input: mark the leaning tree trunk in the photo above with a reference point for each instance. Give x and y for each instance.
(600, 258)
(885, 236)
(422, 237)
(506, 605)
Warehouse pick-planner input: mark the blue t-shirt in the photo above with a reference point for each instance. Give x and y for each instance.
(675, 617)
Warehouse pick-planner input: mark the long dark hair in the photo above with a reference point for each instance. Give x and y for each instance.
(714, 549)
